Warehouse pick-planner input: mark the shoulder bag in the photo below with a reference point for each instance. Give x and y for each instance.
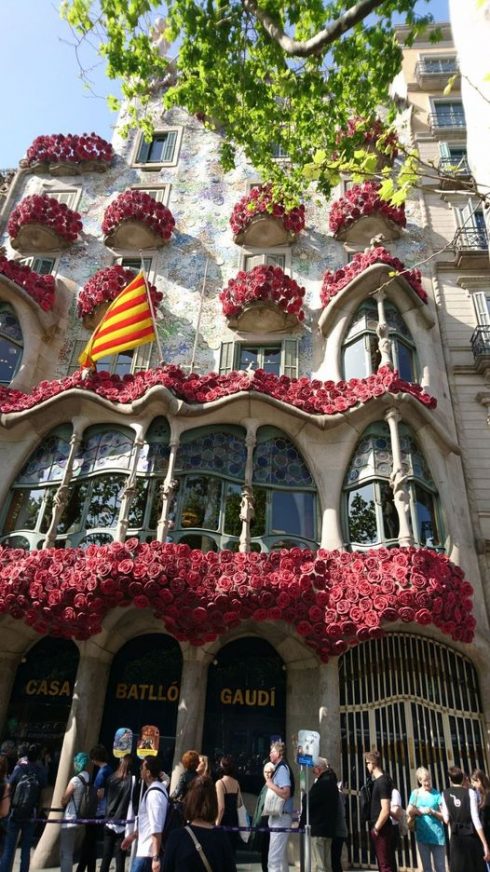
(273, 804)
(199, 849)
(242, 818)
(411, 818)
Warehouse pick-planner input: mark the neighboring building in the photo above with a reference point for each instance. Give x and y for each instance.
(302, 527)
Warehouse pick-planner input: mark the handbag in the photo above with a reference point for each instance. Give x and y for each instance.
(199, 849)
(242, 819)
(411, 818)
(273, 804)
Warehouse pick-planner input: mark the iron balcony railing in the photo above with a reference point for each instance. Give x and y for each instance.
(480, 342)
(474, 239)
(439, 120)
(433, 67)
(454, 165)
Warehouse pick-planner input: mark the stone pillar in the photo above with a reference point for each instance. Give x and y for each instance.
(8, 669)
(130, 487)
(398, 481)
(82, 732)
(61, 495)
(302, 701)
(383, 332)
(247, 508)
(192, 700)
(169, 487)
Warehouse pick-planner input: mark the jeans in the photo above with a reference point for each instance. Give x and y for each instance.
(321, 854)
(278, 846)
(384, 848)
(112, 848)
(26, 829)
(141, 864)
(437, 853)
(67, 846)
(88, 850)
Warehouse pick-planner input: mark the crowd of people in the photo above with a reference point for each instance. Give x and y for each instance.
(196, 826)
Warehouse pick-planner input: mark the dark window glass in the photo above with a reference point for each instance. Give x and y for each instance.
(293, 513)
(404, 361)
(426, 517)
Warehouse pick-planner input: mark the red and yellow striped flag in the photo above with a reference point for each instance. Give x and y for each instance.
(127, 324)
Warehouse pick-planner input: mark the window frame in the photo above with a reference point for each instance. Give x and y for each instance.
(230, 353)
(141, 359)
(70, 196)
(31, 260)
(263, 253)
(163, 189)
(424, 58)
(141, 144)
(5, 304)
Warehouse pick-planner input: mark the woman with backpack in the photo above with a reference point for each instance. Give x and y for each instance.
(70, 801)
(118, 792)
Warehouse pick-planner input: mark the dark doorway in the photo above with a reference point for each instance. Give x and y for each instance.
(144, 689)
(245, 707)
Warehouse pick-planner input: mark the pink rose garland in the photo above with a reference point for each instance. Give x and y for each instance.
(313, 396)
(259, 201)
(139, 206)
(262, 283)
(334, 282)
(41, 209)
(361, 200)
(40, 288)
(69, 148)
(332, 599)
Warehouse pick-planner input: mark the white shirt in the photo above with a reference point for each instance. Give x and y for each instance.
(151, 817)
(74, 801)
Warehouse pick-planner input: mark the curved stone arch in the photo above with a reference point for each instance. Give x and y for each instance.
(33, 322)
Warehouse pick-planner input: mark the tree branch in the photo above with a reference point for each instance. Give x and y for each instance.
(316, 44)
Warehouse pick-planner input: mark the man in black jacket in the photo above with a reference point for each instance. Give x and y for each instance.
(323, 801)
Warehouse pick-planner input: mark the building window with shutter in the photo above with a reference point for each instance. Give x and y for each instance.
(69, 197)
(277, 358)
(162, 150)
(43, 266)
(126, 362)
(280, 256)
(160, 193)
(481, 302)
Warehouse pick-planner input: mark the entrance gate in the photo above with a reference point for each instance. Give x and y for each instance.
(418, 703)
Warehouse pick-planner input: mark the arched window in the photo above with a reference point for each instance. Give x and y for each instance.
(11, 344)
(29, 508)
(370, 514)
(360, 354)
(284, 494)
(211, 470)
(99, 476)
(146, 507)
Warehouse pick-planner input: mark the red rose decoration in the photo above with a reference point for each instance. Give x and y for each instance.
(41, 209)
(361, 200)
(262, 284)
(259, 201)
(69, 148)
(105, 285)
(40, 288)
(142, 207)
(334, 282)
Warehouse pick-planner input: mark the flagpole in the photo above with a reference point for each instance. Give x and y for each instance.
(152, 310)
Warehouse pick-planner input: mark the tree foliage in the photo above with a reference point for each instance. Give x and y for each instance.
(270, 75)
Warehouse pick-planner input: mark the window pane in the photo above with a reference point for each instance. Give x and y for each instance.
(138, 504)
(355, 360)
(391, 524)
(23, 511)
(427, 533)
(276, 260)
(249, 357)
(10, 355)
(105, 501)
(233, 499)
(202, 543)
(71, 520)
(201, 502)
(257, 526)
(363, 529)
(272, 360)
(404, 360)
(293, 513)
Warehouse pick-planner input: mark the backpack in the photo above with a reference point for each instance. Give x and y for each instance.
(26, 796)
(174, 819)
(87, 806)
(365, 795)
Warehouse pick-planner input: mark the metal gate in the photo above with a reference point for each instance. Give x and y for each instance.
(418, 703)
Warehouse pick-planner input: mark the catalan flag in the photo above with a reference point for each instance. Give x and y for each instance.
(127, 324)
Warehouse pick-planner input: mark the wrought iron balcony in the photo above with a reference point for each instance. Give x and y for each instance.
(447, 120)
(480, 343)
(435, 68)
(471, 247)
(454, 165)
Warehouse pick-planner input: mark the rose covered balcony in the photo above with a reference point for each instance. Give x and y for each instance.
(332, 599)
(135, 220)
(372, 135)
(41, 223)
(101, 289)
(41, 289)
(264, 298)
(258, 220)
(68, 155)
(361, 214)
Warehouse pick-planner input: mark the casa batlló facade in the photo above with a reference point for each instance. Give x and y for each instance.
(283, 524)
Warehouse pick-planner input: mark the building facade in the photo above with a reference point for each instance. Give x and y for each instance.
(281, 524)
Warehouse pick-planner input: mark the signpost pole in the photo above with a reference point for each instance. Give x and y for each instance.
(307, 825)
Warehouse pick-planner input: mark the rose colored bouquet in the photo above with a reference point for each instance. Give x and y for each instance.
(69, 148)
(259, 201)
(333, 282)
(105, 285)
(40, 288)
(362, 200)
(266, 284)
(139, 206)
(41, 209)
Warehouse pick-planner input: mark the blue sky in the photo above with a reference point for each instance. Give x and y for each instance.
(42, 92)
